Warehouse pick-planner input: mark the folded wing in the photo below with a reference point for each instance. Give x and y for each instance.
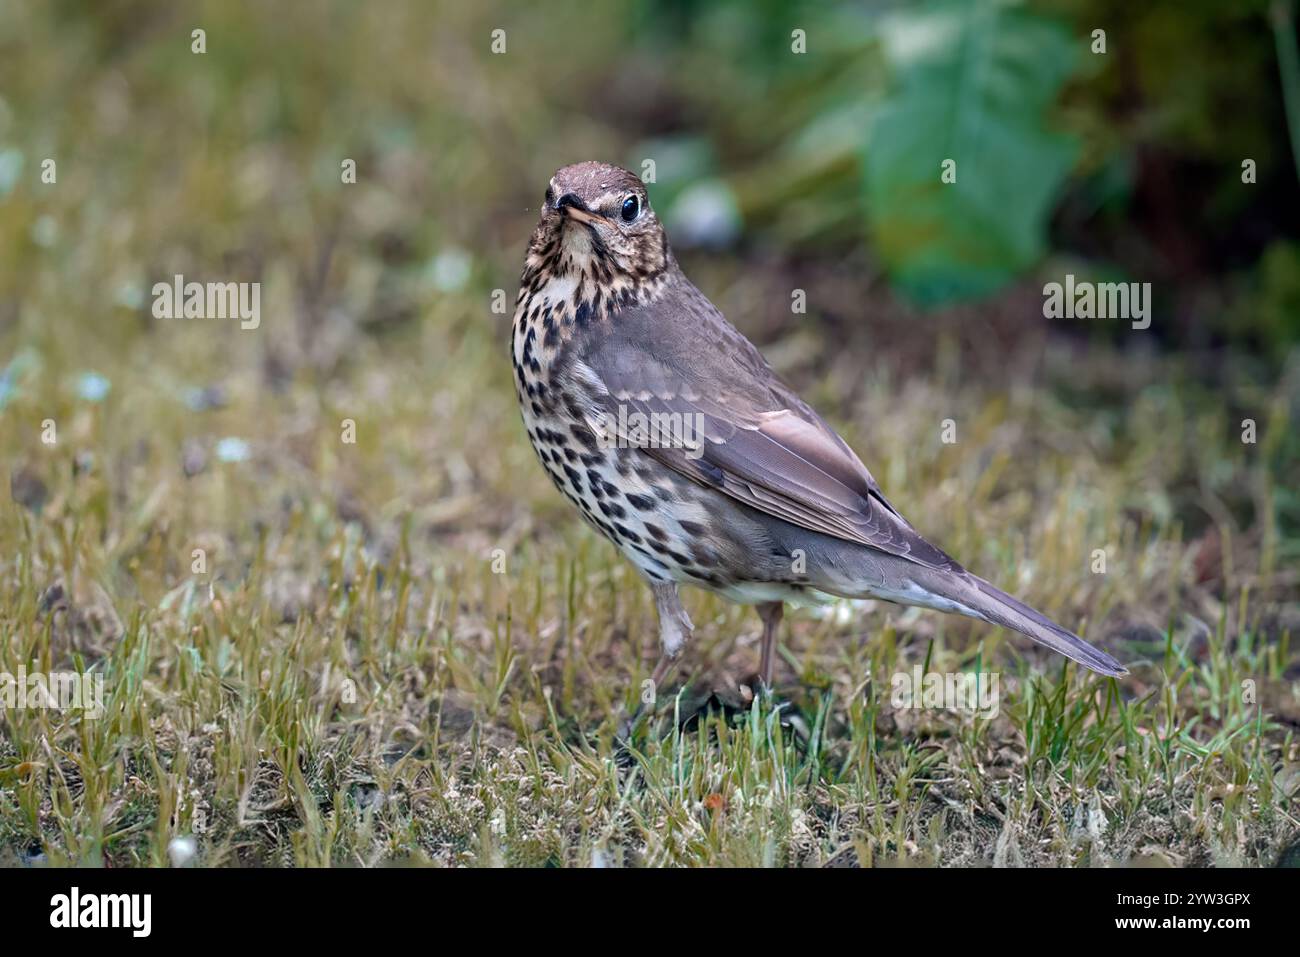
(735, 427)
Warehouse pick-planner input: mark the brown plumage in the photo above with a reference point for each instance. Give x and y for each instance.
(674, 438)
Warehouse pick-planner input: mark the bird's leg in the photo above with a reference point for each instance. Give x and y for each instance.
(674, 631)
(771, 612)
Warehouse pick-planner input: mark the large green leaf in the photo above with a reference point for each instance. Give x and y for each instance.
(972, 82)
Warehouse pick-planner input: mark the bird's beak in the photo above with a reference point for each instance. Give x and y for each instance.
(572, 206)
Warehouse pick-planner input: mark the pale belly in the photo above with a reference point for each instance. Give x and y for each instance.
(667, 526)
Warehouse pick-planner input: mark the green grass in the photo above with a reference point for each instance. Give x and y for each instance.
(349, 682)
(485, 704)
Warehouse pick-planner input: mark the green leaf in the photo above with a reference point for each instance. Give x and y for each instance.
(972, 83)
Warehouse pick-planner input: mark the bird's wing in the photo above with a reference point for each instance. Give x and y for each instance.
(716, 413)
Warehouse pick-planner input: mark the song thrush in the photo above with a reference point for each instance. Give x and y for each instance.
(674, 438)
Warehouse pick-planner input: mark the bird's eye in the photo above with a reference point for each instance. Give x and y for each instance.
(550, 196)
(631, 206)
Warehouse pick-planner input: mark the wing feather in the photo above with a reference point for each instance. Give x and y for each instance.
(739, 428)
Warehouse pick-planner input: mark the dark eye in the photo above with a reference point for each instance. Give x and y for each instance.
(550, 196)
(631, 206)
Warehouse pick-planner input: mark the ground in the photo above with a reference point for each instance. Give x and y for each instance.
(409, 648)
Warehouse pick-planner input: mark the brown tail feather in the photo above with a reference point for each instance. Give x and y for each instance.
(998, 607)
(969, 595)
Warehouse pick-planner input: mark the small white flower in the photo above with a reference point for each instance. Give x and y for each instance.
(181, 850)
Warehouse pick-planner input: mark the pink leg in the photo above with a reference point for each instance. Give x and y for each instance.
(771, 612)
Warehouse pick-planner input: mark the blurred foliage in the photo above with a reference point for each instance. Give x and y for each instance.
(972, 86)
(1272, 313)
(1126, 163)
(1129, 160)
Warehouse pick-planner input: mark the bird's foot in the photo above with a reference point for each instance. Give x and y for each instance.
(627, 728)
(789, 714)
(733, 699)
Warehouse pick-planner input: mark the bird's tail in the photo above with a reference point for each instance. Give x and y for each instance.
(976, 598)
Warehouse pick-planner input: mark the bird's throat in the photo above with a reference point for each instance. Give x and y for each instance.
(572, 281)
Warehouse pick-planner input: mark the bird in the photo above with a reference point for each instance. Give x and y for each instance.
(674, 438)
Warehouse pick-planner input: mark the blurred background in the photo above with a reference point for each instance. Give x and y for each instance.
(774, 170)
(794, 146)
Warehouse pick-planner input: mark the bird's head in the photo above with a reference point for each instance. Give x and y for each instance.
(596, 219)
